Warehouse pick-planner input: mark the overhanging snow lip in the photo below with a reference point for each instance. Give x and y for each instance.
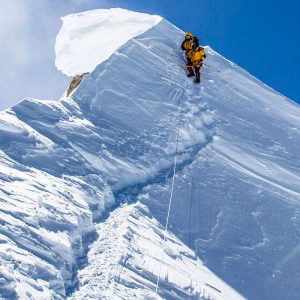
(111, 8)
(63, 64)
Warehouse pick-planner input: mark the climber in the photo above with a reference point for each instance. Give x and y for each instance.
(197, 57)
(187, 47)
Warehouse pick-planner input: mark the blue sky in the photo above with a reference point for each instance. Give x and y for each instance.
(260, 36)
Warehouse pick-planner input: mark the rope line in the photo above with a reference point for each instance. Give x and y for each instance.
(172, 192)
(170, 201)
(191, 205)
(171, 197)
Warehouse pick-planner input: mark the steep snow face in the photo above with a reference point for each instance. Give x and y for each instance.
(91, 150)
(44, 221)
(87, 39)
(143, 103)
(131, 252)
(240, 139)
(236, 193)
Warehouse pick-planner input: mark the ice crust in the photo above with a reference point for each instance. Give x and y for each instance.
(85, 183)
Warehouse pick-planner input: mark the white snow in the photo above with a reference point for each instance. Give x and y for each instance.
(85, 182)
(43, 220)
(89, 38)
(132, 252)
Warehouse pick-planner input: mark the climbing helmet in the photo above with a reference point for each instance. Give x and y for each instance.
(189, 35)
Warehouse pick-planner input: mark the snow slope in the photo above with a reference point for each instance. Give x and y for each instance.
(43, 223)
(94, 174)
(136, 249)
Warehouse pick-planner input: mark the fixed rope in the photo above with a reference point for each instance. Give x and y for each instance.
(170, 200)
(191, 205)
(171, 195)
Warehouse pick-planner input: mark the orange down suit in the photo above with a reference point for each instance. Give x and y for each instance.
(198, 57)
(187, 46)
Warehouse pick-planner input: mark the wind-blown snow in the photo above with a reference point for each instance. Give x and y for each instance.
(43, 223)
(131, 252)
(85, 183)
(89, 38)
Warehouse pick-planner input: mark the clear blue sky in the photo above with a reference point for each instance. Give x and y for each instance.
(262, 36)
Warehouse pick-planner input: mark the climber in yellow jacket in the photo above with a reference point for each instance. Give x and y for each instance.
(197, 57)
(186, 46)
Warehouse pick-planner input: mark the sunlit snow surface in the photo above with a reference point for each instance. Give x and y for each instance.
(85, 184)
(87, 39)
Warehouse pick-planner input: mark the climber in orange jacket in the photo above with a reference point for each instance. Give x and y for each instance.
(186, 46)
(197, 57)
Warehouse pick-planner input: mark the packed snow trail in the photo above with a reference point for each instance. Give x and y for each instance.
(110, 148)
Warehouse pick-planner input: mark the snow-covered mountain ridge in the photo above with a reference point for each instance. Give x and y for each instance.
(87, 39)
(111, 147)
